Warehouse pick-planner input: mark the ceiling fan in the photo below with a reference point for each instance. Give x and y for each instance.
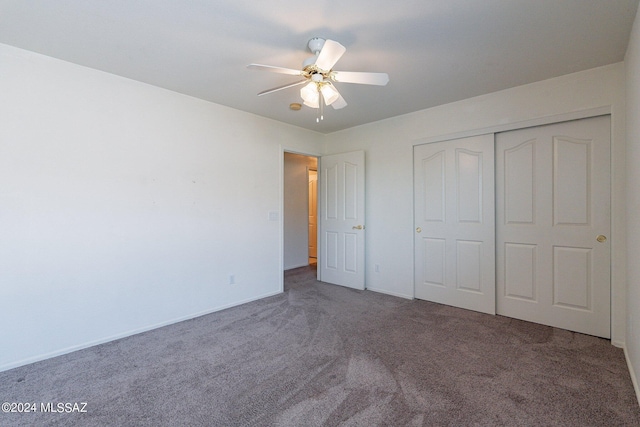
(319, 77)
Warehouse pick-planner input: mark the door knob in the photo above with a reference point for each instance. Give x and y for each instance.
(358, 227)
(601, 238)
(418, 230)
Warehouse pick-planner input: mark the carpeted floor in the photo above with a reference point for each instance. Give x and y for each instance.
(321, 354)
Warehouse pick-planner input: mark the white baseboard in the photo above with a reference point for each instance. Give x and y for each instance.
(291, 267)
(82, 346)
(634, 378)
(394, 294)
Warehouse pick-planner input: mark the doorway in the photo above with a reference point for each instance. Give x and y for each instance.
(299, 210)
(340, 210)
(312, 177)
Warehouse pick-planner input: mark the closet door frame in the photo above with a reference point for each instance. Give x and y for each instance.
(617, 238)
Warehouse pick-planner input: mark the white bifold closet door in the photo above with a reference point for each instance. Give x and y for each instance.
(553, 224)
(455, 223)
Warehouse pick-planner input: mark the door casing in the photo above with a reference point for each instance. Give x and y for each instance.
(360, 282)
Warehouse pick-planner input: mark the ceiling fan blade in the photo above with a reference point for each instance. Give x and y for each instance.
(275, 89)
(379, 79)
(339, 103)
(273, 69)
(331, 52)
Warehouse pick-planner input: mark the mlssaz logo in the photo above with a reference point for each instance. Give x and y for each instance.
(66, 408)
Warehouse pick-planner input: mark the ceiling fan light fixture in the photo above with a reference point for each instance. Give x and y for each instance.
(311, 104)
(318, 76)
(310, 95)
(329, 93)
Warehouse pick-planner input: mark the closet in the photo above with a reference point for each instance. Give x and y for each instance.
(517, 223)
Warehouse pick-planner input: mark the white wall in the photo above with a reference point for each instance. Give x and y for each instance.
(124, 206)
(296, 209)
(632, 62)
(389, 174)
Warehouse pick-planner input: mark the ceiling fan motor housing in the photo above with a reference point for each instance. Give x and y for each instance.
(315, 45)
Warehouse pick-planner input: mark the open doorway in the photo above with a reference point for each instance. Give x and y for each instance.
(313, 216)
(300, 210)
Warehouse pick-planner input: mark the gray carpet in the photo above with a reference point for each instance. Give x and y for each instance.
(321, 354)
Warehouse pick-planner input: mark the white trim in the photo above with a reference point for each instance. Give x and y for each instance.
(284, 149)
(619, 344)
(546, 120)
(634, 378)
(281, 220)
(291, 267)
(129, 333)
(393, 294)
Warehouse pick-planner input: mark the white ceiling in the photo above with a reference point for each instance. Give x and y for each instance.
(435, 52)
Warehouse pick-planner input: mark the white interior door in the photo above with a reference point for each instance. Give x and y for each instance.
(455, 223)
(313, 213)
(553, 219)
(342, 219)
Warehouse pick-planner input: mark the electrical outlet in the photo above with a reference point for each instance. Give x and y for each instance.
(232, 279)
(376, 268)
